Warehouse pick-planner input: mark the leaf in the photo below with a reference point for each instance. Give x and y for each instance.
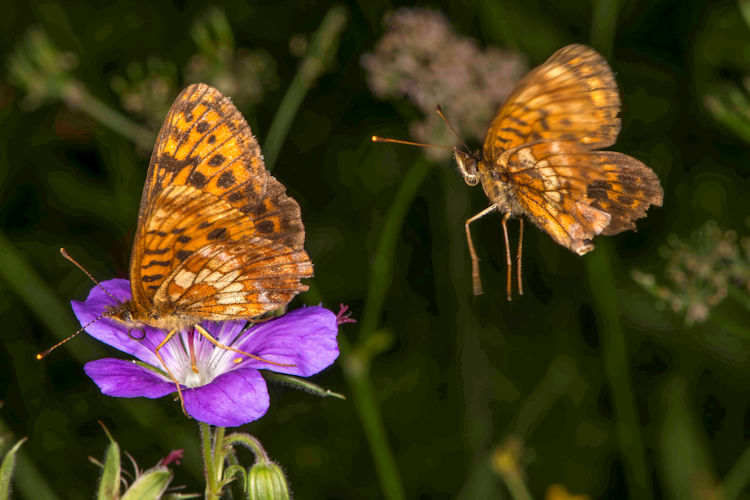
(109, 486)
(150, 485)
(6, 470)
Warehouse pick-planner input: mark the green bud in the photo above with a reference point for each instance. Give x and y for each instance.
(149, 485)
(266, 481)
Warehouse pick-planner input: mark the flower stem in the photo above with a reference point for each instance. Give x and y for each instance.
(209, 464)
(76, 96)
(250, 442)
(356, 359)
(614, 351)
(323, 44)
(738, 477)
(604, 292)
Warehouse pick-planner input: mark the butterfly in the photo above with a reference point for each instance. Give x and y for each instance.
(217, 236)
(542, 159)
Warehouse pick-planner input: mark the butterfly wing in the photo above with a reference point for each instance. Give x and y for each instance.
(226, 280)
(206, 183)
(572, 95)
(574, 193)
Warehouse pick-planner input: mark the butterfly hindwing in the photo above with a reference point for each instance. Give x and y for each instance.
(572, 95)
(226, 279)
(573, 193)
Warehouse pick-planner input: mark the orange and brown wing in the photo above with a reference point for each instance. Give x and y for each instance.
(229, 280)
(572, 95)
(206, 181)
(573, 193)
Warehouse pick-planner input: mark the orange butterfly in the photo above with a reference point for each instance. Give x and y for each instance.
(217, 238)
(541, 158)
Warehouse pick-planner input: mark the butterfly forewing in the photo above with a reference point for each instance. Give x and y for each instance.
(207, 187)
(572, 95)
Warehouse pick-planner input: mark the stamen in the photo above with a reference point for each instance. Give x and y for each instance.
(191, 347)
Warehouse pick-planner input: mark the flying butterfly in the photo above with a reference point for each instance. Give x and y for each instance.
(217, 236)
(542, 159)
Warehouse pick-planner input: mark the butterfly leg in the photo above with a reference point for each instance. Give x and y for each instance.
(475, 278)
(508, 262)
(518, 257)
(169, 372)
(211, 339)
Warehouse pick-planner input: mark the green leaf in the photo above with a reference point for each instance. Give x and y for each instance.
(109, 486)
(6, 470)
(303, 384)
(151, 484)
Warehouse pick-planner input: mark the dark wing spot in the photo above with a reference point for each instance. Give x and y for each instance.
(172, 165)
(236, 196)
(183, 254)
(153, 277)
(212, 139)
(160, 251)
(178, 230)
(204, 225)
(183, 239)
(226, 179)
(155, 263)
(217, 234)
(626, 200)
(197, 179)
(598, 190)
(202, 127)
(216, 160)
(156, 232)
(259, 209)
(265, 226)
(189, 117)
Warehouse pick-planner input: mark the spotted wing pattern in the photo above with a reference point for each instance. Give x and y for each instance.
(572, 95)
(573, 193)
(208, 197)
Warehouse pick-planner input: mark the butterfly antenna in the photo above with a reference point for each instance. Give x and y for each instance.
(44, 353)
(79, 266)
(447, 122)
(377, 138)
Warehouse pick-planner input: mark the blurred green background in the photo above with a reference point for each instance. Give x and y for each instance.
(622, 374)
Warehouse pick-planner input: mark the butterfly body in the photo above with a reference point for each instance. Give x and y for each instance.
(542, 157)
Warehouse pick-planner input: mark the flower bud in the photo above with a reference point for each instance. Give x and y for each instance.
(266, 481)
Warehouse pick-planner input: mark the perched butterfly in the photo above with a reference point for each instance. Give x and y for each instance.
(541, 158)
(217, 238)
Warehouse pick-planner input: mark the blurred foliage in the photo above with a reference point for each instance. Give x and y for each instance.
(582, 387)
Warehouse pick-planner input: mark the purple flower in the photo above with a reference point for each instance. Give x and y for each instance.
(222, 392)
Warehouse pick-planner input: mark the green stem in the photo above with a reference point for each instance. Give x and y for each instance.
(603, 288)
(614, 351)
(356, 360)
(219, 454)
(382, 263)
(738, 477)
(76, 96)
(322, 45)
(250, 442)
(604, 25)
(209, 465)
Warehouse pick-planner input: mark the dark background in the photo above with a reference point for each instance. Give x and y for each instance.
(587, 381)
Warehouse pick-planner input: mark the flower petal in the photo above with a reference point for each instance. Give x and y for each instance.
(125, 379)
(110, 331)
(304, 338)
(230, 400)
